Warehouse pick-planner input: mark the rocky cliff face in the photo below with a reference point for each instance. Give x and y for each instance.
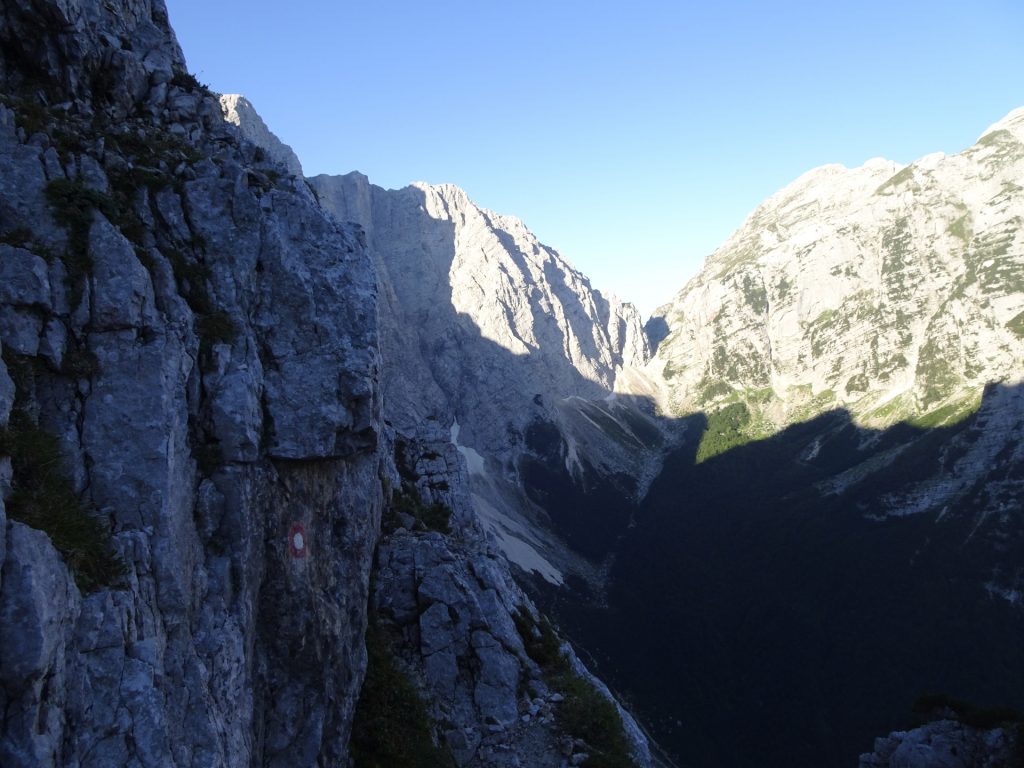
(468, 634)
(494, 336)
(194, 455)
(198, 340)
(240, 112)
(889, 290)
(846, 370)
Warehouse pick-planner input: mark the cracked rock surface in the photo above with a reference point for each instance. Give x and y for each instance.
(201, 341)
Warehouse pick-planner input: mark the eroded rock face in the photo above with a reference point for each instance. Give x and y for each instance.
(495, 302)
(448, 600)
(238, 111)
(887, 290)
(201, 339)
(497, 338)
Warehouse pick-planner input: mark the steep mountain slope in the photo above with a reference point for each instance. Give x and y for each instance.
(158, 292)
(217, 401)
(819, 581)
(240, 112)
(194, 459)
(496, 337)
(841, 530)
(891, 291)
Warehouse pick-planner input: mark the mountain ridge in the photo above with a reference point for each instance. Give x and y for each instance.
(496, 336)
(908, 257)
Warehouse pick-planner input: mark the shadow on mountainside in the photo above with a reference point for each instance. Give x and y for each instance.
(764, 607)
(761, 615)
(532, 410)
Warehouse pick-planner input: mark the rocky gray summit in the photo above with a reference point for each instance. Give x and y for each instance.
(497, 338)
(239, 111)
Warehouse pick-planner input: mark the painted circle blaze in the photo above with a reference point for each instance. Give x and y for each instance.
(297, 542)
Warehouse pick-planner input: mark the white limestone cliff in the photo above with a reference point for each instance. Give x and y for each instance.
(889, 290)
(487, 331)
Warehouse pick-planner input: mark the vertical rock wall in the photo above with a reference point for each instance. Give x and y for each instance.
(200, 341)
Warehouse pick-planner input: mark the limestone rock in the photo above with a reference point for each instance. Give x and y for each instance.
(25, 289)
(187, 326)
(122, 295)
(891, 291)
(494, 335)
(37, 619)
(448, 601)
(239, 111)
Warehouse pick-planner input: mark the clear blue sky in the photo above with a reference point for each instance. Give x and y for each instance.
(631, 137)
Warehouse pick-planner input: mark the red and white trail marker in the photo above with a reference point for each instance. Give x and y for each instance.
(298, 545)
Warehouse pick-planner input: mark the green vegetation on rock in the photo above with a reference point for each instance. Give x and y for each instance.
(406, 500)
(995, 138)
(783, 288)
(857, 383)
(187, 81)
(42, 495)
(900, 177)
(825, 328)
(754, 293)
(897, 248)
(949, 414)
(391, 727)
(890, 411)
(711, 390)
(805, 404)
(43, 498)
(584, 713)
(726, 429)
(960, 228)
(434, 517)
(935, 373)
(72, 205)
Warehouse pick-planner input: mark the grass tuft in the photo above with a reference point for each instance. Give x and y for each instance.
(584, 713)
(391, 727)
(42, 497)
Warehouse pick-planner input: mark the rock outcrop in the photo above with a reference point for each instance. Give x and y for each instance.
(457, 621)
(239, 111)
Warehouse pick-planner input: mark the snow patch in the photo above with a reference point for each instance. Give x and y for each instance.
(510, 537)
(474, 461)
(572, 457)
